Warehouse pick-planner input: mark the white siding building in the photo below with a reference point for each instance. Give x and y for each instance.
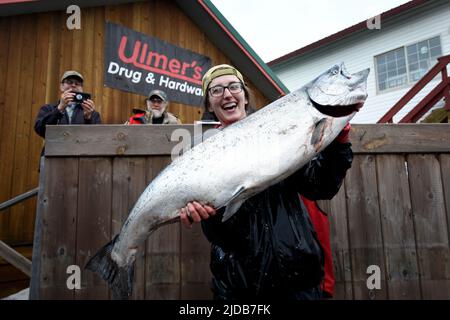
(406, 46)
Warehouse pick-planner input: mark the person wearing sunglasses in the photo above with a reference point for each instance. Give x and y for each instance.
(268, 249)
(155, 111)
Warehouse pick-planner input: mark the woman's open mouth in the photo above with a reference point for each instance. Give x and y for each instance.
(229, 107)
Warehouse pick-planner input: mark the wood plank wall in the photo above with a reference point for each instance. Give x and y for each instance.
(37, 49)
(79, 218)
(392, 212)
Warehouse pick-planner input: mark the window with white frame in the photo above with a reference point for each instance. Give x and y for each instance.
(406, 64)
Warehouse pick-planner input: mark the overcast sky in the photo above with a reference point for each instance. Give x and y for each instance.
(276, 27)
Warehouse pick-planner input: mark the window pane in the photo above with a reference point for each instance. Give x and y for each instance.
(413, 58)
(412, 49)
(423, 64)
(381, 59)
(390, 56)
(435, 42)
(400, 53)
(413, 66)
(422, 44)
(391, 66)
(422, 73)
(426, 53)
(416, 75)
(404, 79)
(435, 52)
(393, 72)
(392, 83)
(382, 68)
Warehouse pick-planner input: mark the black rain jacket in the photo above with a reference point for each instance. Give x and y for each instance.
(268, 248)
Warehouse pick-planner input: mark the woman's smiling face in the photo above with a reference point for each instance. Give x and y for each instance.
(229, 107)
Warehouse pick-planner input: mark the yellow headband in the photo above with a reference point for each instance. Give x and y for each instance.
(217, 71)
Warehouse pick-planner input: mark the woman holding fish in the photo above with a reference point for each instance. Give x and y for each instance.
(243, 184)
(268, 248)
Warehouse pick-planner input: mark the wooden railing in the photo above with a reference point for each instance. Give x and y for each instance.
(439, 92)
(19, 198)
(8, 253)
(15, 258)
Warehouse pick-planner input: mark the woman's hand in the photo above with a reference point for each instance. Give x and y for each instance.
(195, 212)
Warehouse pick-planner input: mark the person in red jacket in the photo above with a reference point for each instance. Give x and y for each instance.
(155, 111)
(321, 225)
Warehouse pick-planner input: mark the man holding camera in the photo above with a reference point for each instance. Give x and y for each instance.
(73, 107)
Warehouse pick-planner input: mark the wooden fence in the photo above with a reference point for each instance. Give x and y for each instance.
(392, 213)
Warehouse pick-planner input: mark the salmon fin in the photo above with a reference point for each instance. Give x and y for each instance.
(233, 204)
(119, 279)
(317, 135)
(231, 209)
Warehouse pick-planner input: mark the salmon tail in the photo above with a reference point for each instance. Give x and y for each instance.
(119, 279)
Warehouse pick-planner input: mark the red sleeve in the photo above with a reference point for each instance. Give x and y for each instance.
(321, 225)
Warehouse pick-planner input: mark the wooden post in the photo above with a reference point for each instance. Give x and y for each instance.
(36, 258)
(446, 89)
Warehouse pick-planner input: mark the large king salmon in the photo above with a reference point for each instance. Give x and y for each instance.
(235, 164)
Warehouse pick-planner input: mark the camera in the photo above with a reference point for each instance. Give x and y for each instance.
(80, 96)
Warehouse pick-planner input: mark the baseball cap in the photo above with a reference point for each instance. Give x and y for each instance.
(217, 71)
(159, 93)
(72, 73)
